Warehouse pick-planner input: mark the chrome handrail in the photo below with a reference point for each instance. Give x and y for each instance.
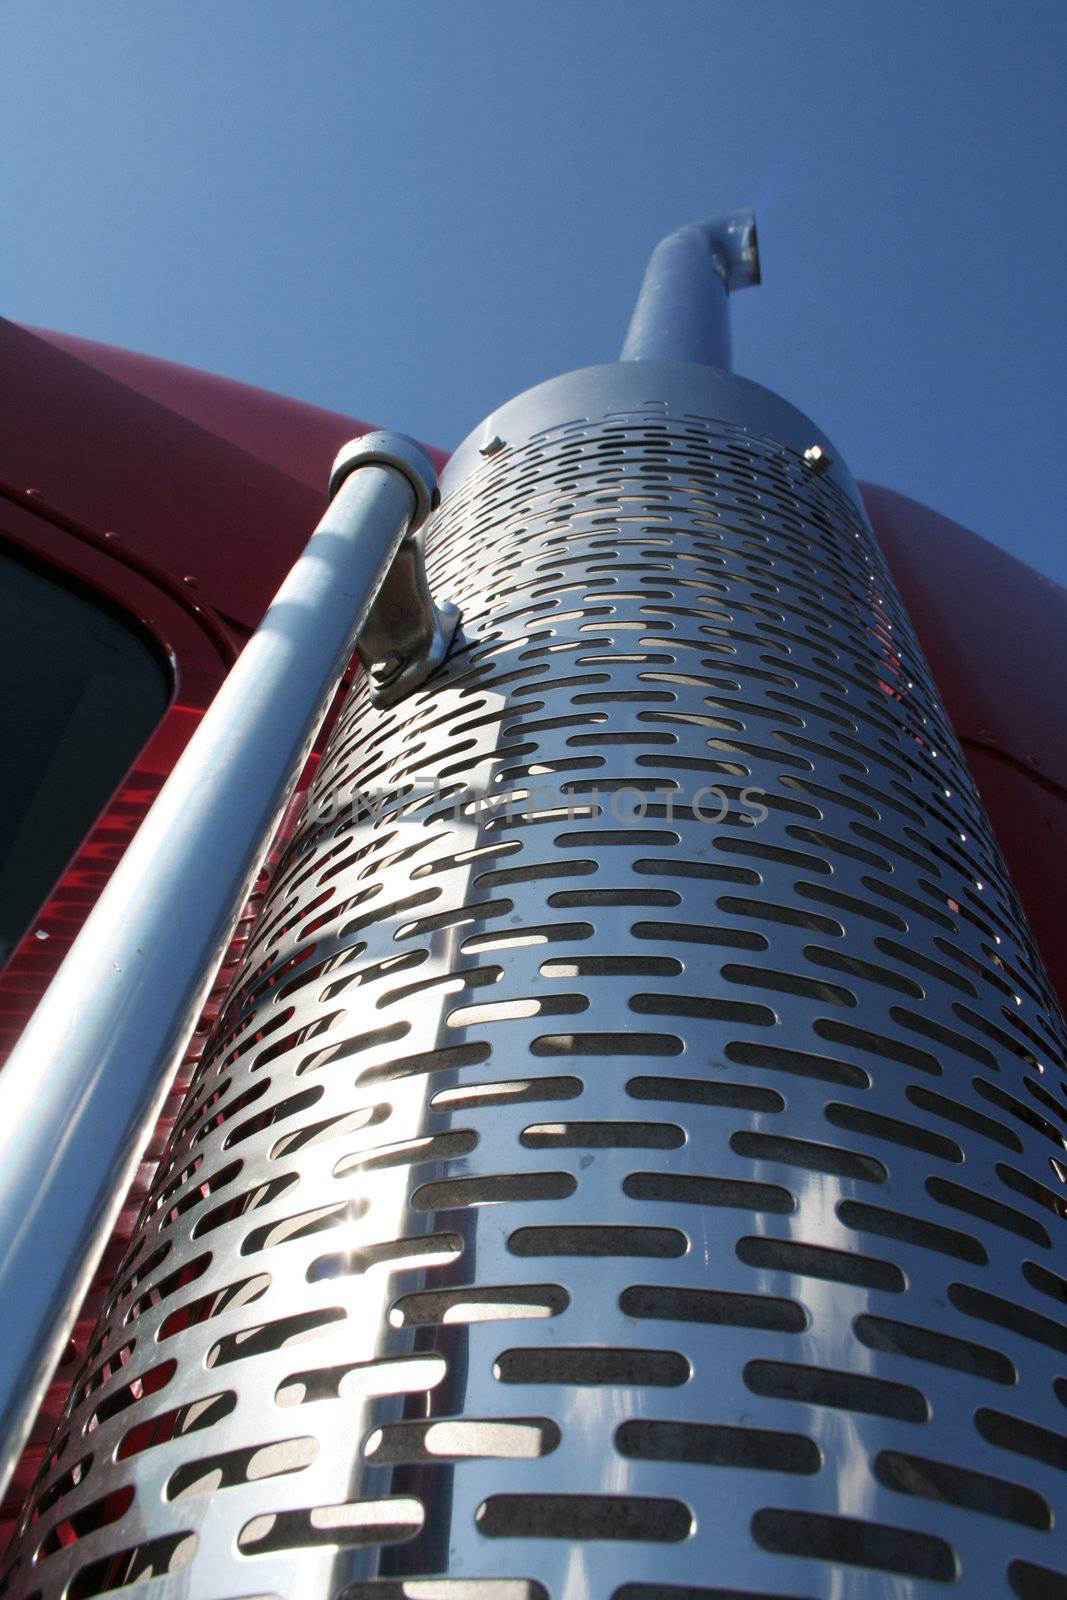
(84, 1086)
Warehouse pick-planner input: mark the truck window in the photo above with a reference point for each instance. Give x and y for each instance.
(80, 692)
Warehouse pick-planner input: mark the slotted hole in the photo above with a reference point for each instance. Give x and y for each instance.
(952, 1485)
(602, 1136)
(230, 1298)
(843, 1391)
(1035, 1192)
(172, 1284)
(634, 1518)
(402, 1255)
(175, 1424)
(514, 1091)
(818, 1261)
(363, 1379)
(1006, 1314)
(597, 1240)
(703, 1007)
(607, 1044)
(130, 1393)
(876, 1126)
(302, 1226)
(330, 1128)
(517, 1010)
(876, 1044)
(445, 1589)
(411, 1152)
(799, 1063)
(611, 967)
(937, 1349)
(269, 1336)
(479, 1303)
(356, 1522)
(1024, 1438)
(1015, 1108)
(693, 1190)
(65, 1484)
(201, 1192)
(964, 1116)
(918, 1231)
(718, 1307)
(497, 1189)
(987, 1210)
(805, 1153)
(667, 933)
(705, 1092)
(238, 1205)
(787, 916)
(849, 1542)
(583, 1366)
(249, 1465)
(1046, 1281)
(717, 1445)
(499, 1439)
(1029, 1581)
(447, 1058)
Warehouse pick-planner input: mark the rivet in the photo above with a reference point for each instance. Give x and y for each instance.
(192, 581)
(817, 458)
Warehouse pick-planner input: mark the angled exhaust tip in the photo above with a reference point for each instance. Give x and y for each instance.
(681, 312)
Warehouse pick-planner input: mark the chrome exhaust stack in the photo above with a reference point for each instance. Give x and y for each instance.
(629, 1161)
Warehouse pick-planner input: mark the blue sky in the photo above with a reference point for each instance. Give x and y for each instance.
(412, 209)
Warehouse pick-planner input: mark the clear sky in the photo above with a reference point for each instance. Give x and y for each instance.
(410, 210)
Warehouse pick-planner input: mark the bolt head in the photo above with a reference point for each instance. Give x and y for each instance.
(492, 446)
(817, 458)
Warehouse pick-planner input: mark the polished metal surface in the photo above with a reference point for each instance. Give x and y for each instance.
(656, 1185)
(627, 386)
(383, 448)
(407, 633)
(81, 1091)
(681, 312)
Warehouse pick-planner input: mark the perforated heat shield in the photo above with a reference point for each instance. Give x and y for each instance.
(632, 1156)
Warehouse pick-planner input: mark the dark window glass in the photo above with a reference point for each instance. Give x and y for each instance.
(80, 692)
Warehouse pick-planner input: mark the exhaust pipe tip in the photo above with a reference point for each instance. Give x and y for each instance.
(681, 312)
(734, 243)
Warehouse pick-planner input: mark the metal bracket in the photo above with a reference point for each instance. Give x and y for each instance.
(407, 634)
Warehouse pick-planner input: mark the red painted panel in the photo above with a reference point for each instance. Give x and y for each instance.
(294, 437)
(1031, 822)
(995, 634)
(187, 500)
(993, 629)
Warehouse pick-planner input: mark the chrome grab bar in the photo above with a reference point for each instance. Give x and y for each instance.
(84, 1086)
